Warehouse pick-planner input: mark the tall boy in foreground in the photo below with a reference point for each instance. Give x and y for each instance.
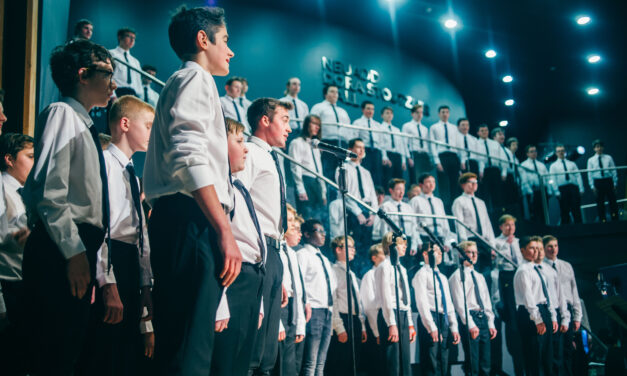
(187, 179)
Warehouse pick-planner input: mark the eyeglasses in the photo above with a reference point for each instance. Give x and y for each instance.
(108, 74)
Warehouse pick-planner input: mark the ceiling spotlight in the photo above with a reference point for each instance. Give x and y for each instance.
(583, 20)
(450, 23)
(509, 102)
(593, 91)
(503, 123)
(593, 59)
(581, 150)
(508, 78)
(490, 54)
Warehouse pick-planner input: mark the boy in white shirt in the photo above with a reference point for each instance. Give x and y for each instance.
(373, 357)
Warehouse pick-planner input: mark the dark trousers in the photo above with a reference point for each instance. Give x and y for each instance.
(330, 163)
(434, 355)
(338, 360)
(266, 344)
(396, 170)
(568, 348)
(373, 162)
(558, 349)
(185, 262)
(508, 314)
(115, 349)
(491, 189)
(286, 361)
(314, 206)
(299, 350)
(570, 202)
(447, 180)
(393, 364)
(472, 165)
(12, 339)
(537, 349)
(536, 209)
(233, 346)
(422, 165)
(57, 321)
(511, 195)
(477, 351)
(362, 234)
(372, 359)
(496, 349)
(605, 191)
(317, 340)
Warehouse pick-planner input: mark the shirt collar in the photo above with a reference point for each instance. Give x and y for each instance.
(329, 103)
(79, 109)
(119, 155)
(261, 143)
(427, 196)
(467, 195)
(122, 50)
(11, 181)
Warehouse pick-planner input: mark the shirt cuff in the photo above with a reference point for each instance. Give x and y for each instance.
(196, 177)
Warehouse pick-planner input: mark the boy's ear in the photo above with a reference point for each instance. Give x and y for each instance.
(202, 40)
(8, 160)
(82, 74)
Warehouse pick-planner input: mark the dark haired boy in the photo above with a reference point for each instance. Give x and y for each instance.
(603, 181)
(419, 161)
(148, 94)
(187, 180)
(375, 142)
(84, 29)
(446, 159)
(230, 101)
(128, 80)
(67, 201)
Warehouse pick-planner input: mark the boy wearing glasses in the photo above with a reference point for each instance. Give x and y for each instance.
(66, 196)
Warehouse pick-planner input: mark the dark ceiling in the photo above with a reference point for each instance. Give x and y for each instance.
(538, 42)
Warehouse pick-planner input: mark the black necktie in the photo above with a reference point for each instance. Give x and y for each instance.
(302, 284)
(241, 101)
(435, 221)
(466, 145)
(553, 264)
(146, 94)
(295, 108)
(326, 276)
(446, 133)
(253, 215)
(392, 137)
(354, 294)
(420, 135)
(360, 183)
(507, 156)
(105, 189)
(137, 204)
(477, 293)
(487, 152)
(444, 308)
(293, 311)
(128, 69)
(337, 118)
(474, 205)
(402, 287)
(371, 140)
(511, 250)
(282, 183)
(565, 170)
(601, 165)
(398, 207)
(313, 156)
(544, 289)
(239, 118)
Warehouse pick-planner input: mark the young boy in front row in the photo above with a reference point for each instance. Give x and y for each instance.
(480, 315)
(395, 333)
(372, 354)
(235, 334)
(438, 326)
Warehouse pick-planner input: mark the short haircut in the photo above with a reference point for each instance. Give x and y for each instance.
(510, 141)
(127, 106)
(232, 79)
(463, 179)
(365, 103)
(264, 107)
(147, 67)
(66, 60)
(506, 217)
(104, 139)
(185, 25)
(338, 241)
(125, 30)
(416, 107)
(528, 147)
(233, 126)
(560, 146)
(443, 107)
(466, 244)
(482, 126)
(414, 186)
(352, 142)
(290, 208)
(546, 239)
(79, 26)
(525, 240)
(11, 144)
(459, 121)
(243, 80)
(424, 177)
(375, 250)
(393, 182)
(495, 131)
(387, 239)
(386, 108)
(378, 190)
(325, 89)
(306, 131)
(597, 142)
(309, 225)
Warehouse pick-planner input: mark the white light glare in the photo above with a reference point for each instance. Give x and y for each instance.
(592, 59)
(593, 91)
(490, 54)
(583, 20)
(509, 102)
(450, 23)
(503, 123)
(508, 78)
(581, 150)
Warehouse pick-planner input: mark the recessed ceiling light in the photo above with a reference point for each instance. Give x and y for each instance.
(583, 20)
(593, 59)
(593, 91)
(509, 102)
(503, 123)
(490, 54)
(508, 78)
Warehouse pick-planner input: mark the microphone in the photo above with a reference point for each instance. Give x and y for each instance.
(395, 229)
(462, 254)
(332, 149)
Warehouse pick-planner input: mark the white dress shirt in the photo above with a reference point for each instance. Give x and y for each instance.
(607, 162)
(493, 156)
(64, 186)
(417, 129)
(376, 140)
(408, 225)
(352, 185)
(558, 302)
(336, 218)
(4, 227)
(287, 254)
(400, 143)
(465, 212)
(325, 111)
(149, 96)
(299, 112)
(120, 74)
(11, 253)
(470, 143)
(528, 291)
(124, 221)
(557, 167)
(340, 301)
(510, 250)
(385, 292)
(367, 292)
(261, 178)
(437, 133)
(421, 205)
(510, 158)
(314, 276)
(569, 286)
(245, 233)
(425, 298)
(228, 106)
(472, 304)
(301, 150)
(188, 144)
(244, 102)
(530, 181)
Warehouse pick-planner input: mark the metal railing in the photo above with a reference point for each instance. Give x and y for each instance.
(141, 72)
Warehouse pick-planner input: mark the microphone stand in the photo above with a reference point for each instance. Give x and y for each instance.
(462, 257)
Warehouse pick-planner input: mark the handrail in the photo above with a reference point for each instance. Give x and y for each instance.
(141, 72)
(586, 170)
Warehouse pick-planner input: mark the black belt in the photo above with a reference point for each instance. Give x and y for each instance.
(273, 243)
